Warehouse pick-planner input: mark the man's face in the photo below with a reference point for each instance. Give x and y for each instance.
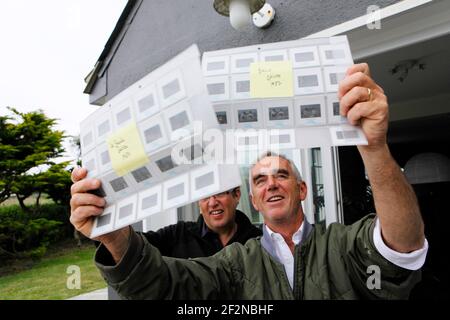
(219, 211)
(276, 192)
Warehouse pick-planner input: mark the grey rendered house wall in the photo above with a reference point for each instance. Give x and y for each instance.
(158, 30)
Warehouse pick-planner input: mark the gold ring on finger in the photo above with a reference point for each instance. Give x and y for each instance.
(369, 93)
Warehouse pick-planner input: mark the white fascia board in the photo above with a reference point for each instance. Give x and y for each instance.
(367, 18)
(402, 24)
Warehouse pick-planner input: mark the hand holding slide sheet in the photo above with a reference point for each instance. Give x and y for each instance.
(291, 86)
(142, 145)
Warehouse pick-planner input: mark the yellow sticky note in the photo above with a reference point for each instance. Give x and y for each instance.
(271, 79)
(126, 150)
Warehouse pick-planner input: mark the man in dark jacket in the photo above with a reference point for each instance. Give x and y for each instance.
(293, 259)
(219, 225)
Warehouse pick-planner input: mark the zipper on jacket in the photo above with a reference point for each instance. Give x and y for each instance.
(296, 273)
(299, 274)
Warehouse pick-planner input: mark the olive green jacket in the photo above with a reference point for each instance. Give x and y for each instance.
(329, 263)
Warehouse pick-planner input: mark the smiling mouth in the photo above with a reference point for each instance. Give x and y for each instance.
(216, 212)
(275, 199)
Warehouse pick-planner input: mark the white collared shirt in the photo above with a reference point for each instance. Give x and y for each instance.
(283, 252)
(411, 261)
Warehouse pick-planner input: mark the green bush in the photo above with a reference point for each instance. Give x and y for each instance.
(23, 234)
(57, 212)
(37, 253)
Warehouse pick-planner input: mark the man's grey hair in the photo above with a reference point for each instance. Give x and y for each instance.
(266, 154)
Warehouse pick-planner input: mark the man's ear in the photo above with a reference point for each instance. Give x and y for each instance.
(303, 190)
(254, 203)
(237, 193)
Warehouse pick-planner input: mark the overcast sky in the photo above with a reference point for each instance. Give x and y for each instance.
(47, 49)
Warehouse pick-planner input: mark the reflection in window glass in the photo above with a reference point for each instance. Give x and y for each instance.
(245, 203)
(317, 186)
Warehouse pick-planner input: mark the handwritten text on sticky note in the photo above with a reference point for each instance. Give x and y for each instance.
(126, 150)
(271, 79)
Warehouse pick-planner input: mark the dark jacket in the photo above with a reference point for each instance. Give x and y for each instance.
(189, 239)
(329, 263)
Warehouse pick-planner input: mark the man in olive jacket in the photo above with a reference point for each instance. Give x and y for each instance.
(292, 260)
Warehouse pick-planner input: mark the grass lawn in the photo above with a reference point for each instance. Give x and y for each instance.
(46, 279)
(28, 201)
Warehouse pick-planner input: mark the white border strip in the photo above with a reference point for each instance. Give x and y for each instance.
(386, 12)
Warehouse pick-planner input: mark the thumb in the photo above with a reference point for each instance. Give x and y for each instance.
(78, 174)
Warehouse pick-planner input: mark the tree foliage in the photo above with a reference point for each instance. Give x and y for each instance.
(56, 182)
(28, 141)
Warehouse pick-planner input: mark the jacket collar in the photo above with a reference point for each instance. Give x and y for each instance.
(242, 221)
